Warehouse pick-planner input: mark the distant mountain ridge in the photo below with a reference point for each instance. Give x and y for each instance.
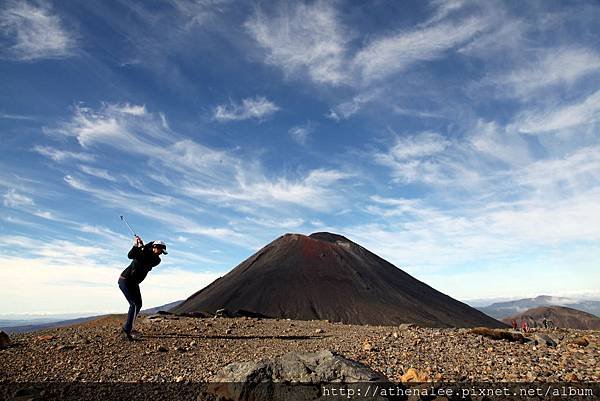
(327, 276)
(165, 307)
(501, 310)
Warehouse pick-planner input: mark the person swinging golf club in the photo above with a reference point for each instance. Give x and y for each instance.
(143, 259)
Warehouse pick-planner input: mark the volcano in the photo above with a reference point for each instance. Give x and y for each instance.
(327, 276)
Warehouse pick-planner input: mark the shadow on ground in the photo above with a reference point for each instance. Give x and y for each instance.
(229, 337)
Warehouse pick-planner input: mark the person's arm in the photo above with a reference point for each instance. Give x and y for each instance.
(136, 251)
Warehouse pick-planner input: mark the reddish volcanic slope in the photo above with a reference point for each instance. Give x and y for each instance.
(327, 276)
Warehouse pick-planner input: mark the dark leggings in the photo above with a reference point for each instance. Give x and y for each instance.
(134, 297)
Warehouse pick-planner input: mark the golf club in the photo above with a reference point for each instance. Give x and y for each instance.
(128, 226)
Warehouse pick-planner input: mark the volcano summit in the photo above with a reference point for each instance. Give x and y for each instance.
(327, 276)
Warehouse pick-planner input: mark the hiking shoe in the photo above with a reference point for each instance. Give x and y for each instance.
(127, 334)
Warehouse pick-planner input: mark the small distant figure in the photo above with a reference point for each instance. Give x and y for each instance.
(545, 323)
(524, 327)
(514, 324)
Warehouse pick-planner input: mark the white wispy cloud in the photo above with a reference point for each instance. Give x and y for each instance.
(423, 144)
(422, 158)
(575, 172)
(113, 123)
(550, 68)
(190, 169)
(153, 206)
(586, 111)
(348, 108)
(106, 234)
(301, 133)
(121, 126)
(395, 53)
(303, 39)
(290, 223)
(496, 220)
(21, 222)
(35, 32)
(443, 8)
(46, 214)
(500, 143)
(61, 155)
(198, 12)
(97, 172)
(258, 107)
(410, 231)
(311, 192)
(126, 108)
(12, 198)
(8, 116)
(312, 40)
(505, 36)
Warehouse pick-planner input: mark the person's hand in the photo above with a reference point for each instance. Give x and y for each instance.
(137, 241)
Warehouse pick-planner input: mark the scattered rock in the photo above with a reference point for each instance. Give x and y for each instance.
(544, 339)
(228, 331)
(413, 375)
(581, 341)
(368, 346)
(319, 331)
(45, 338)
(162, 348)
(65, 347)
(221, 313)
(405, 326)
(571, 377)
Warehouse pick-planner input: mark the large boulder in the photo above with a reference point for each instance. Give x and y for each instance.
(300, 367)
(4, 340)
(495, 334)
(293, 376)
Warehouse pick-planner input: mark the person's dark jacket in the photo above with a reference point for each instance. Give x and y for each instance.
(143, 260)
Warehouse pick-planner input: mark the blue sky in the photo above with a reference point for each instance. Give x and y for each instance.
(458, 140)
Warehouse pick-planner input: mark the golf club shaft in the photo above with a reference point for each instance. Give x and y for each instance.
(128, 226)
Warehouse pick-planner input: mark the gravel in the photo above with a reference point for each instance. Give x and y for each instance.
(181, 349)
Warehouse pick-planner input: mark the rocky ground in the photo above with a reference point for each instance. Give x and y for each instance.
(176, 349)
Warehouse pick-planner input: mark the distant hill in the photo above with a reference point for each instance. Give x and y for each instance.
(24, 326)
(327, 276)
(501, 310)
(559, 316)
(164, 307)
